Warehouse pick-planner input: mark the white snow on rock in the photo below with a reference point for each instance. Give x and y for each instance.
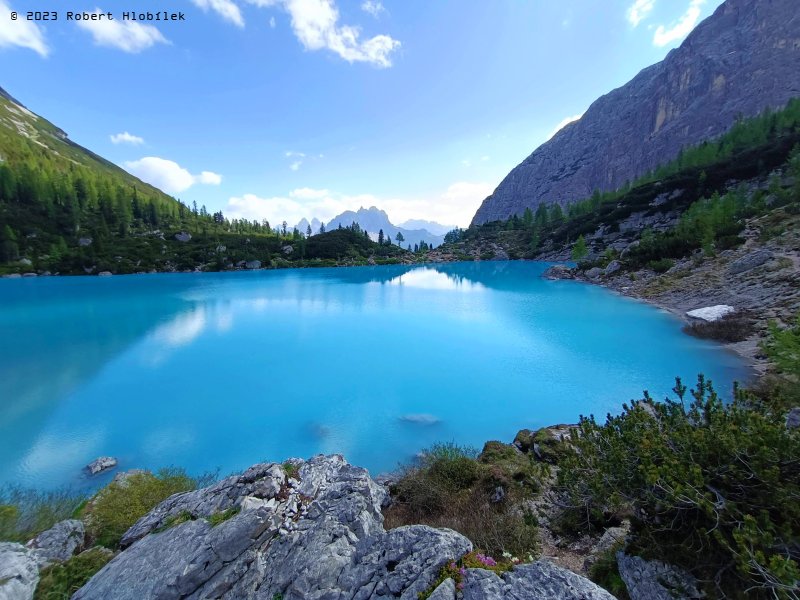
(711, 313)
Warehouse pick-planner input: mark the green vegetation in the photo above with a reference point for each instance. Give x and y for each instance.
(605, 573)
(25, 513)
(223, 515)
(694, 184)
(60, 581)
(709, 486)
(453, 486)
(119, 505)
(64, 209)
(291, 470)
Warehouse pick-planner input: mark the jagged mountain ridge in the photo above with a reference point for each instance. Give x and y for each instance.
(737, 62)
(373, 220)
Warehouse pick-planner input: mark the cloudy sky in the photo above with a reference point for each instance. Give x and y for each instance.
(281, 109)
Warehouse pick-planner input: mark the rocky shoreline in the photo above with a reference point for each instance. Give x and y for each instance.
(301, 530)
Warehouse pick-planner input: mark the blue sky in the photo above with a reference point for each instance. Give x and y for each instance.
(281, 109)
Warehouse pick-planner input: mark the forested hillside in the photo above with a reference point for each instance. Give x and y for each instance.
(63, 209)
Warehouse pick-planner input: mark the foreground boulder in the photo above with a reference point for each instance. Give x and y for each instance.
(302, 530)
(654, 580)
(19, 572)
(59, 543)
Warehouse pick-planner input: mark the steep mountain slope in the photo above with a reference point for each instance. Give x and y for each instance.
(63, 209)
(737, 62)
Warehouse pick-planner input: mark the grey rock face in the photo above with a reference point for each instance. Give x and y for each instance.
(655, 580)
(444, 591)
(183, 236)
(59, 543)
(19, 572)
(559, 272)
(594, 273)
(319, 536)
(793, 418)
(253, 264)
(612, 268)
(740, 60)
(750, 261)
(98, 465)
(538, 581)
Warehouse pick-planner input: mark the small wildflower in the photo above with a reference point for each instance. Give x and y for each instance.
(460, 586)
(515, 560)
(463, 571)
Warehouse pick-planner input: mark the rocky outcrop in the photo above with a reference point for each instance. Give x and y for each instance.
(310, 530)
(98, 465)
(59, 543)
(654, 580)
(19, 572)
(739, 61)
(538, 581)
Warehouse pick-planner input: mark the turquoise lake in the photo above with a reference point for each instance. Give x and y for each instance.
(222, 370)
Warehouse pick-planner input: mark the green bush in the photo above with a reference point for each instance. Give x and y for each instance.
(710, 486)
(60, 581)
(119, 505)
(24, 513)
(662, 265)
(449, 487)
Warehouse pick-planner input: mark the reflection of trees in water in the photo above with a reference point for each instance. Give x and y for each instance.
(499, 275)
(60, 333)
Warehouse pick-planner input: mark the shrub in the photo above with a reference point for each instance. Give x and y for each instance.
(712, 487)
(449, 487)
(60, 581)
(223, 515)
(605, 573)
(661, 265)
(119, 505)
(24, 513)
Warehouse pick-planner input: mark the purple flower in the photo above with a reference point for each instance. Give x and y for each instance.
(453, 565)
(463, 571)
(460, 586)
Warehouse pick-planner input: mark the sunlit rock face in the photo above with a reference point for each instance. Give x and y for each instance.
(737, 62)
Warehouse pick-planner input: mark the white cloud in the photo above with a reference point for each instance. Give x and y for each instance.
(373, 7)
(209, 178)
(21, 32)
(457, 204)
(681, 28)
(128, 36)
(272, 22)
(295, 166)
(485, 158)
(316, 24)
(291, 153)
(168, 175)
(639, 10)
(227, 9)
(126, 138)
(564, 122)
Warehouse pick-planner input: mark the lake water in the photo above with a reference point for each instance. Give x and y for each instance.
(225, 370)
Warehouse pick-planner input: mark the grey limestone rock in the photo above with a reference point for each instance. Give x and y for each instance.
(541, 580)
(654, 580)
(58, 543)
(750, 261)
(738, 61)
(594, 273)
(317, 536)
(612, 267)
(444, 591)
(98, 465)
(19, 572)
(183, 236)
(793, 418)
(253, 264)
(559, 272)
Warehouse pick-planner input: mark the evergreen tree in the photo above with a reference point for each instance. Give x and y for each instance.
(579, 250)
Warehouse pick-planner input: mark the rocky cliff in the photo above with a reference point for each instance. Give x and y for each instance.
(738, 62)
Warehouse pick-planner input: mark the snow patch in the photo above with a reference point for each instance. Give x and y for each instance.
(711, 313)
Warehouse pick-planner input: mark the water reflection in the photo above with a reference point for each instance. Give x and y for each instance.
(434, 279)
